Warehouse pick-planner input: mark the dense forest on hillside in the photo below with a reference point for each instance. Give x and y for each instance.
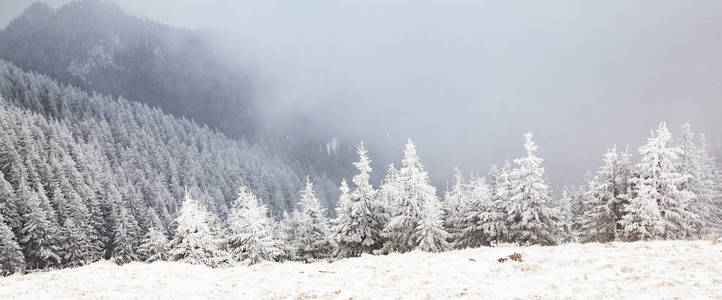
(110, 162)
(94, 46)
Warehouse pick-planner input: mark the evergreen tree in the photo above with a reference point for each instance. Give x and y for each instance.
(410, 204)
(694, 164)
(77, 248)
(529, 219)
(251, 239)
(11, 258)
(9, 205)
(479, 216)
(642, 219)
(359, 231)
(39, 234)
(312, 237)
(432, 237)
(155, 246)
(123, 249)
(607, 195)
(566, 216)
(453, 204)
(287, 232)
(343, 222)
(194, 242)
(660, 180)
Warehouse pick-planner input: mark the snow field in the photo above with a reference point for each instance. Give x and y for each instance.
(641, 270)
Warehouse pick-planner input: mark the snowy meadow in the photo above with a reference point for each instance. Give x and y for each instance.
(638, 270)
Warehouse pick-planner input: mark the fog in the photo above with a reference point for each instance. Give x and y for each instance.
(465, 79)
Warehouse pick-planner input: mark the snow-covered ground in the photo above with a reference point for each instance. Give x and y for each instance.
(654, 270)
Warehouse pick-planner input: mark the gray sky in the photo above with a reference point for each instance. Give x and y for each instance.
(465, 79)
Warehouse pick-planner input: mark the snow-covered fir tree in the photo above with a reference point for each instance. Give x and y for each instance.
(410, 204)
(432, 237)
(286, 232)
(452, 203)
(359, 229)
(529, 218)
(124, 228)
(39, 233)
(660, 180)
(312, 239)
(194, 241)
(9, 205)
(566, 216)
(251, 239)
(11, 258)
(343, 221)
(695, 164)
(712, 175)
(478, 216)
(642, 219)
(155, 246)
(609, 191)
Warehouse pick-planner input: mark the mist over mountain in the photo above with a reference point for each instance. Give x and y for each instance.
(96, 46)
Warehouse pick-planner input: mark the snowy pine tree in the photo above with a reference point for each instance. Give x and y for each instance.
(479, 216)
(453, 204)
(11, 258)
(432, 237)
(607, 195)
(155, 246)
(194, 241)
(250, 239)
(566, 216)
(642, 219)
(39, 234)
(529, 219)
(410, 204)
(660, 180)
(694, 164)
(312, 239)
(359, 229)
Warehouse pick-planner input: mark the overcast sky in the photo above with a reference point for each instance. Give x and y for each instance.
(465, 79)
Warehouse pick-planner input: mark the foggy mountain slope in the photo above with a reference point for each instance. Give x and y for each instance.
(94, 45)
(94, 154)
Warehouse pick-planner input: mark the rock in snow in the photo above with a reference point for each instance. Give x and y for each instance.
(653, 270)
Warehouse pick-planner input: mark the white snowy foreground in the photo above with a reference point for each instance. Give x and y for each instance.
(654, 270)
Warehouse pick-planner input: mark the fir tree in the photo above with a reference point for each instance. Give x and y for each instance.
(607, 197)
(410, 204)
(194, 242)
(659, 180)
(432, 237)
(251, 239)
(642, 219)
(155, 246)
(479, 217)
(694, 164)
(11, 258)
(39, 234)
(453, 204)
(312, 237)
(359, 231)
(123, 250)
(530, 220)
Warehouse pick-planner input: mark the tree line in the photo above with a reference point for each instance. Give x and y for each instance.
(87, 177)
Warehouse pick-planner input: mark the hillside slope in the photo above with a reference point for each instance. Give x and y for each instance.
(654, 270)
